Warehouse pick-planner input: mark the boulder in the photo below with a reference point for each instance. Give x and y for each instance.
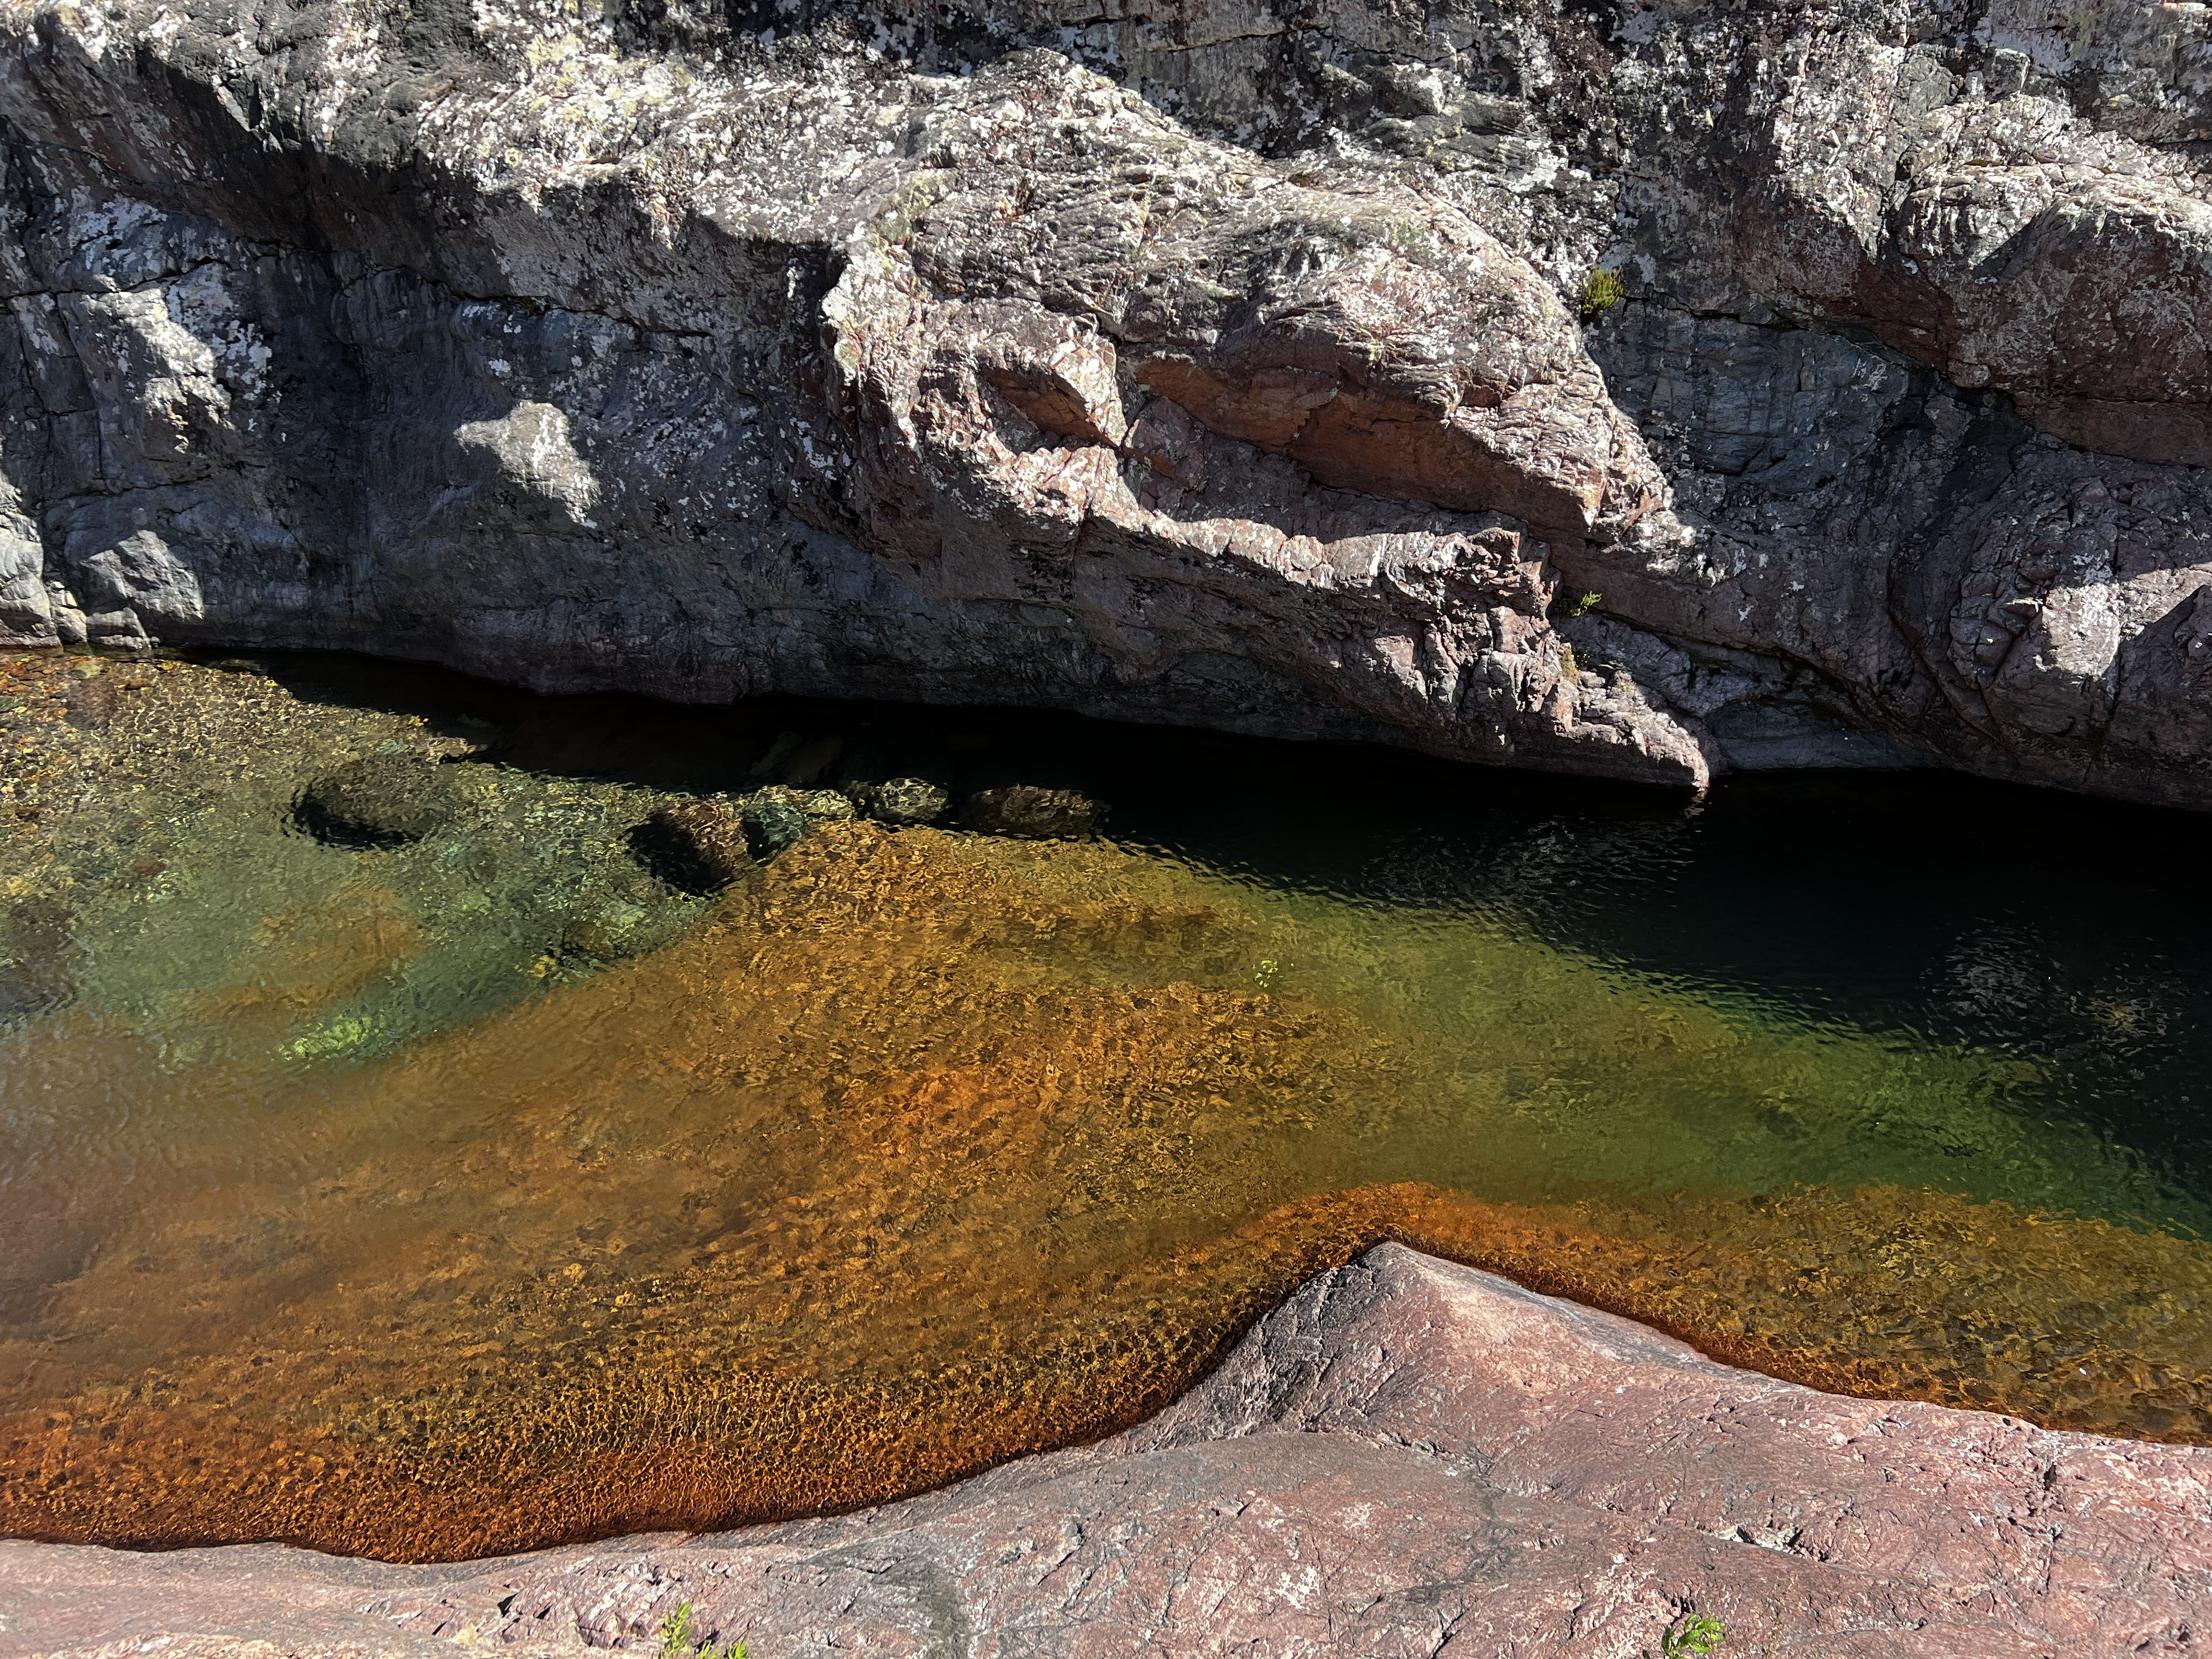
(773, 821)
(906, 800)
(697, 845)
(381, 800)
(1035, 813)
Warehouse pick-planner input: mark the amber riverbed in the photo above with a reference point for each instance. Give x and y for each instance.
(454, 1197)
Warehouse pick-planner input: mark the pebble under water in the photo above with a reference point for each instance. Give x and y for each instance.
(475, 1189)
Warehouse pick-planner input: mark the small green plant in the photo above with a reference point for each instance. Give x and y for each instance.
(1697, 1635)
(1601, 292)
(1576, 605)
(679, 1641)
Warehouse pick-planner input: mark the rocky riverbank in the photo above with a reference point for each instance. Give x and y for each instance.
(1640, 390)
(1407, 1457)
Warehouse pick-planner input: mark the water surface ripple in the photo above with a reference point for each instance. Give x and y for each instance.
(469, 1193)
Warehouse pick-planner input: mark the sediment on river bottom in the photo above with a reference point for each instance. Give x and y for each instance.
(921, 1153)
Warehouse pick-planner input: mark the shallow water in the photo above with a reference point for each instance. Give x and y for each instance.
(473, 1193)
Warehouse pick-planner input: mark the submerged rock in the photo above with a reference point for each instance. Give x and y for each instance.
(773, 823)
(906, 800)
(810, 761)
(606, 933)
(820, 805)
(796, 760)
(91, 701)
(382, 800)
(777, 816)
(698, 846)
(38, 957)
(1026, 810)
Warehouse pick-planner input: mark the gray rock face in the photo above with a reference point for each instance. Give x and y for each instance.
(1218, 364)
(1407, 1458)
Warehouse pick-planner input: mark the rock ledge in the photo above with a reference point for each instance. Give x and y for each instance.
(1407, 1457)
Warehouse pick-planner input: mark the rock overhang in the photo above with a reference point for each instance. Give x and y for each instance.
(1386, 321)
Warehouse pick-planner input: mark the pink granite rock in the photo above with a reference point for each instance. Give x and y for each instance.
(1407, 1458)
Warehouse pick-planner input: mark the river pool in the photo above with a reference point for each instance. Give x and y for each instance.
(481, 1189)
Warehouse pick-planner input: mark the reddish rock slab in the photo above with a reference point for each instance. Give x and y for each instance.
(1407, 1458)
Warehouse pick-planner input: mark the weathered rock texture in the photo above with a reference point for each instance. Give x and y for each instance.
(1214, 363)
(1409, 1457)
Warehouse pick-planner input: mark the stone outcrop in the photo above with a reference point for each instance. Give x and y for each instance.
(1219, 363)
(1408, 1457)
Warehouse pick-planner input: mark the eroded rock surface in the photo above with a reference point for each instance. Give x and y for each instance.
(1407, 1457)
(1218, 364)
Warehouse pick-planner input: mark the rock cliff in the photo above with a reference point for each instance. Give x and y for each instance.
(1228, 361)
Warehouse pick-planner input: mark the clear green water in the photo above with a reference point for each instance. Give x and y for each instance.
(1849, 977)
